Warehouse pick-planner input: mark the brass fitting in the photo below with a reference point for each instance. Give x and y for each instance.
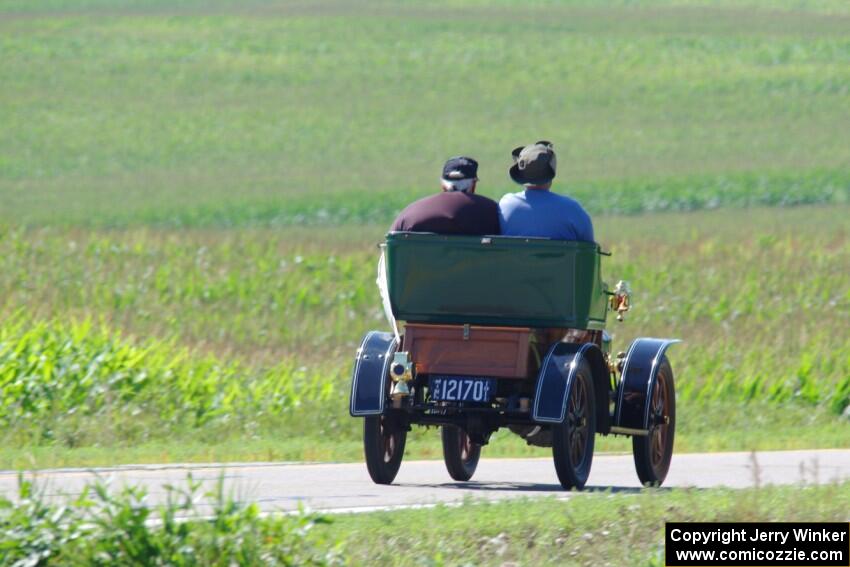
(621, 360)
(401, 372)
(621, 300)
(610, 362)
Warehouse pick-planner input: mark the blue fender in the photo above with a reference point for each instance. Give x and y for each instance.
(369, 379)
(556, 379)
(638, 378)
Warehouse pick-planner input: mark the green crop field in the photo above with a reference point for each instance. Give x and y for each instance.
(275, 112)
(191, 194)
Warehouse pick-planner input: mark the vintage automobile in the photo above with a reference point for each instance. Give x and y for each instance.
(498, 331)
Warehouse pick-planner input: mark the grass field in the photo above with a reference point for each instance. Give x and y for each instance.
(597, 529)
(612, 528)
(270, 113)
(190, 195)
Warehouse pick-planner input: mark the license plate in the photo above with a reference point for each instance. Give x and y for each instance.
(461, 389)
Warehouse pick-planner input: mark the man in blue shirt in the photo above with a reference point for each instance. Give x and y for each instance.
(537, 211)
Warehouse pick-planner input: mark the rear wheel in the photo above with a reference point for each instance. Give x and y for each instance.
(383, 445)
(459, 452)
(573, 440)
(654, 452)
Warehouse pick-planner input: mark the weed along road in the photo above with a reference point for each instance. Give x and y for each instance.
(347, 487)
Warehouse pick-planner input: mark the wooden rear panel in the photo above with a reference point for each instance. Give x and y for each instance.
(502, 352)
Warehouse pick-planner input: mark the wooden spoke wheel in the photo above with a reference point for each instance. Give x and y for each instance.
(383, 445)
(459, 452)
(654, 452)
(573, 440)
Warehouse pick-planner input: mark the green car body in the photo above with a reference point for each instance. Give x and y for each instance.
(473, 306)
(495, 280)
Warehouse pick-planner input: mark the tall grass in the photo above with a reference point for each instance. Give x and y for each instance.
(103, 526)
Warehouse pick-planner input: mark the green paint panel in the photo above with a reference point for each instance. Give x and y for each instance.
(499, 280)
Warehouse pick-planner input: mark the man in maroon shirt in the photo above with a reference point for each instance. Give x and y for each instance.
(455, 210)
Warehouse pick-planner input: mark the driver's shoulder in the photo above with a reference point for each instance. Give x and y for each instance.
(568, 202)
(509, 198)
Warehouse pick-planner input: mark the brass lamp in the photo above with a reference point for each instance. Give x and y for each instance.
(401, 372)
(621, 301)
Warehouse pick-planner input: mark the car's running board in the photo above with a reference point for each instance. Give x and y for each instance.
(629, 431)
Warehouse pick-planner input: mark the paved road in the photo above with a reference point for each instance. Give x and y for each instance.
(347, 487)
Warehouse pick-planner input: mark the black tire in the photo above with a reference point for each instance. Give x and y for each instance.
(383, 446)
(459, 452)
(654, 452)
(573, 440)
